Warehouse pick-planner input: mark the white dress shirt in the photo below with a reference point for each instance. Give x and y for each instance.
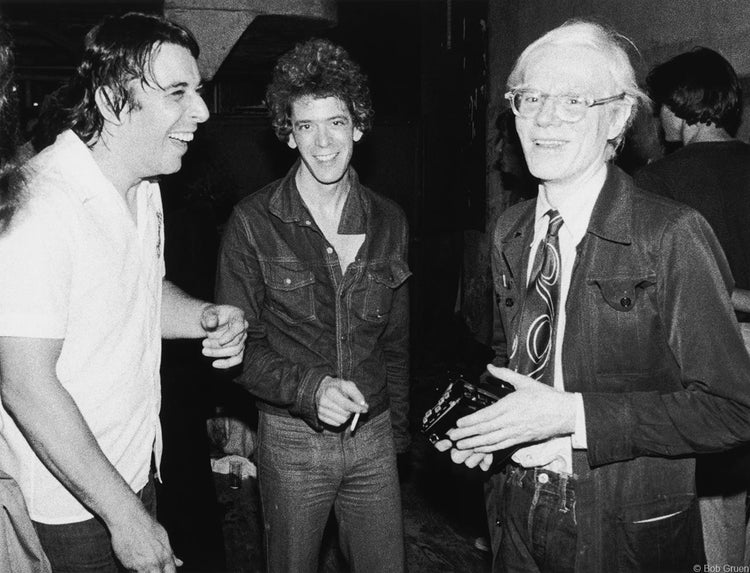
(575, 208)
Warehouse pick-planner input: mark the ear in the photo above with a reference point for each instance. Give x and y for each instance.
(357, 135)
(618, 118)
(104, 99)
(290, 141)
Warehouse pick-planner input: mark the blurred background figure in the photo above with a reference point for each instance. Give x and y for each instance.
(698, 99)
(20, 550)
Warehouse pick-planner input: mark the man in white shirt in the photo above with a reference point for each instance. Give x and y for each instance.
(83, 302)
(633, 333)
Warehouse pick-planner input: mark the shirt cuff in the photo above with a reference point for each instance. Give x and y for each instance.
(578, 439)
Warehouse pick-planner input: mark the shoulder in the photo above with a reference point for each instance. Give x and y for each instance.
(255, 206)
(384, 207)
(654, 213)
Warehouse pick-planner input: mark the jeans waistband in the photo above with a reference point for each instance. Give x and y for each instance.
(544, 482)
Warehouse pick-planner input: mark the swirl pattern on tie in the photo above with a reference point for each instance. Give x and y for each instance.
(538, 316)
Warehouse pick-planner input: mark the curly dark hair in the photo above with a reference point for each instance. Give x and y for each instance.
(11, 177)
(699, 86)
(320, 69)
(117, 50)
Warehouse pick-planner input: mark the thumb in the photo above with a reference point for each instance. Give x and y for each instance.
(511, 376)
(350, 390)
(210, 318)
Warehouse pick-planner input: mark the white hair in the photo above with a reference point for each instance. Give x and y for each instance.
(605, 40)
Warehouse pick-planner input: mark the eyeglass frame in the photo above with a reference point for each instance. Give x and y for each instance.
(590, 102)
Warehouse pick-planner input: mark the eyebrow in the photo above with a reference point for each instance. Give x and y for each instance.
(331, 118)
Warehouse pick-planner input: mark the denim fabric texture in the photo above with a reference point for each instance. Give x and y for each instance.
(303, 474)
(537, 522)
(85, 546)
(309, 320)
(652, 344)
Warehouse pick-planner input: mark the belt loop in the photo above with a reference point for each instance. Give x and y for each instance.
(563, 485)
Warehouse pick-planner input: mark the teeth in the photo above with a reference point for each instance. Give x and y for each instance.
(325, 157)
(182, 136)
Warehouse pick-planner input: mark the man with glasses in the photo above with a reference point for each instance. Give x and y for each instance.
(615, 324)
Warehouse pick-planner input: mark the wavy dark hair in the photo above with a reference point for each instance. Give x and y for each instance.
(317, 68)
(11, 178)
(117, 50)
(699, 86)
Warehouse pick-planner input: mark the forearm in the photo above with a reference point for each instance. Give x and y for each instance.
(181, 313)
(281, 382)
(56, 431)
(395, 343)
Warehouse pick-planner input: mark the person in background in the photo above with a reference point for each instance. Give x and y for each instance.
(318, 262)
(698, 99)
(21, 550)
(83, 303)
(624, 351)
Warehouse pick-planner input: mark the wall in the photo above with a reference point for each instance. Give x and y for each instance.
(660, 30)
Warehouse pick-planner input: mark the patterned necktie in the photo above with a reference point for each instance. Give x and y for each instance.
(533, 344)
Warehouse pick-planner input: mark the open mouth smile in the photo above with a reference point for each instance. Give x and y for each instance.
(184, 137)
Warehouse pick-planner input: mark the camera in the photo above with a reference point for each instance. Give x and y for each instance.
(460, 399)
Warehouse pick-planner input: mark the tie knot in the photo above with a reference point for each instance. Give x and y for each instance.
(555, 222)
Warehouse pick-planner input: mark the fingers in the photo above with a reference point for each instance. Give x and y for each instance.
(353, 395)
(511, 376)
(337, 400)
(486, 462)
(443, 445)
(223, 323)
(226, 341)
(210, 318)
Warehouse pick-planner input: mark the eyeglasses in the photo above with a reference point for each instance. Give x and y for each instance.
(568, 107)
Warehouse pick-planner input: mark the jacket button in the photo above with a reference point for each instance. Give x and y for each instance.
(625, 302)
(508, 302)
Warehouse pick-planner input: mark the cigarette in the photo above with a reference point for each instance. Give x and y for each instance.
(354, 422)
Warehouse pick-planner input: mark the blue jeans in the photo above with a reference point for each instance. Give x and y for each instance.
(85, 546)
(537, 522)
(302, 474)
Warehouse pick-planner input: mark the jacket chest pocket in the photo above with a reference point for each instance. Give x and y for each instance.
(289, 290)
(381, 281)
(625, 322)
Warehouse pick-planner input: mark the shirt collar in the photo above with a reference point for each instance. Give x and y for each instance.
(286, 203)
(86, 178)
(575, 208)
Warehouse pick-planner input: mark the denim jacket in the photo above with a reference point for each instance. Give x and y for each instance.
(307, 319)
(652, 344)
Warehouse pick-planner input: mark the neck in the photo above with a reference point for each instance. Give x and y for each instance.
(323, 197)
(112, 166)
(557, 191)
(703, 133)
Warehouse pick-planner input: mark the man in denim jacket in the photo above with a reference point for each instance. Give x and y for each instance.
(318, 263)
(648, 364)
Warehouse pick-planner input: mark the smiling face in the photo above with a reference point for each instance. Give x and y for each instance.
(156, 130)
(559, 152)
(324, 134)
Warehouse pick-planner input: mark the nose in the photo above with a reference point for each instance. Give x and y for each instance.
(322, 137)
(199, 110)
(548, 113)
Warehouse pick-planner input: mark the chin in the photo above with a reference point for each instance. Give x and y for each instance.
(171, 168)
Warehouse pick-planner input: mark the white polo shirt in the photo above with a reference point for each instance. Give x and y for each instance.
(76, 266)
